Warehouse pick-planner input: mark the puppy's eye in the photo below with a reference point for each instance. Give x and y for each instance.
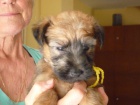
(60, 48)
(85, 48)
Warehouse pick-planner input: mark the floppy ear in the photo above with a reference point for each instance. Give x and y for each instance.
(39, 31)
(99, 34)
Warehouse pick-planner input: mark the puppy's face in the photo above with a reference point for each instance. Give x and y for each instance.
(68, 42)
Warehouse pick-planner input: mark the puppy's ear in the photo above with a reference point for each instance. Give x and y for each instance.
(40, 30)
(99, 34)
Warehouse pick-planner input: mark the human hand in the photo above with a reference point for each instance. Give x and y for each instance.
(36, 90)
(101, 91)
(73, 97)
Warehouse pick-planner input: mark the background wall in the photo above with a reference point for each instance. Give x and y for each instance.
(130, 16)
(28, 37)
(45, 8)
(78, 5)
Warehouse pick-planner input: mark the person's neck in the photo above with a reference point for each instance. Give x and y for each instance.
(11, 46)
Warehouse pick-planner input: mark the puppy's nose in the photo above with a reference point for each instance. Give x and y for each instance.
(76, 73)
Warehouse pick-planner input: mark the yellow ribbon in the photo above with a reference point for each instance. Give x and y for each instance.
(98, 71)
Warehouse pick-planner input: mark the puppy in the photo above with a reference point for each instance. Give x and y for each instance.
(68, 42)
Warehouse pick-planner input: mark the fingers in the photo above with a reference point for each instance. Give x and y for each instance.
(37, 89)
(103, 94)
(75, 95)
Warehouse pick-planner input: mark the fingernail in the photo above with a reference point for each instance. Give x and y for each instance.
(49, 82)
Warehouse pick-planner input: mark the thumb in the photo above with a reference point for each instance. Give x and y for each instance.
(37, 89)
